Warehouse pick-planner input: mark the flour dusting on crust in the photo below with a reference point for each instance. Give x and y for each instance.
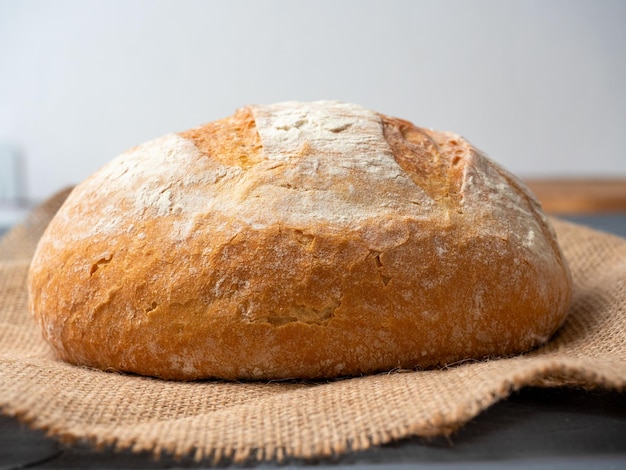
(324, 163)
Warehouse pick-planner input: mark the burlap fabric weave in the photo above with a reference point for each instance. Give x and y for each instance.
(237, 421)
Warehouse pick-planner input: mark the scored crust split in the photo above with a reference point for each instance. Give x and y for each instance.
(297, 240)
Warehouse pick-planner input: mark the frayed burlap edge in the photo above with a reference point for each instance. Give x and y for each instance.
(439, 424)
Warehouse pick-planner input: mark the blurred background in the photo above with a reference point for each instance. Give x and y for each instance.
(540, 85)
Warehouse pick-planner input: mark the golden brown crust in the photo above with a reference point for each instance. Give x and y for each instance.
(419, 152)
(233, 140)
(215, 294)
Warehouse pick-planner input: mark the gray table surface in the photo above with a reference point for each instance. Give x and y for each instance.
(559, 428)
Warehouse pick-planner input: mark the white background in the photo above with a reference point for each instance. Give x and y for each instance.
(539, 85)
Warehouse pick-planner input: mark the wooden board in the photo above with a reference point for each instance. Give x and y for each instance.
(580, 196)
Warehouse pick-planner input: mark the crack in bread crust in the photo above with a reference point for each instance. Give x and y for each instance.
(233, 141)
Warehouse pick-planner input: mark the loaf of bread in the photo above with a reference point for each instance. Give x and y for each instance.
(297, 240)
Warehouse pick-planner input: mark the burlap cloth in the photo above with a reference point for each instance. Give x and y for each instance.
(238, 421)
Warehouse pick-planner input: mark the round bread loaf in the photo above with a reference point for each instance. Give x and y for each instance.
(297, 240)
